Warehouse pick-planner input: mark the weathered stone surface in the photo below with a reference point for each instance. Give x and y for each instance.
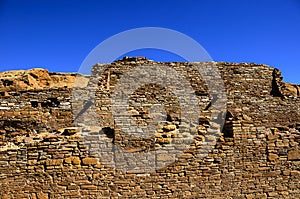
(36, 79)
(68, 160)
(293, 89)
(272, 156)
(170, 127)
(294, 155)
(89, 161)
(76, 160)
(73, 160)
(49, 150)
(42, 196)
(54, 162)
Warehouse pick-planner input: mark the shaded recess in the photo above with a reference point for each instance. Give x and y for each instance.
(228, 127)
(277, 78)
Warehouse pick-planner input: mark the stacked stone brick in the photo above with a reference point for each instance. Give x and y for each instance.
(43, 155)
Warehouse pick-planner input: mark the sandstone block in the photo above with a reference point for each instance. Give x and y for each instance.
(294, 155)
(42, 196)
(272, 156)
(170, 127)
(68, 160)
(89, 161)
(76, 160)
(272, 194)
(88, 187)
(261, 195)
(54, 162)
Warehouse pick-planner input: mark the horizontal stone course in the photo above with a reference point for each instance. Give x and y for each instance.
(43, 153)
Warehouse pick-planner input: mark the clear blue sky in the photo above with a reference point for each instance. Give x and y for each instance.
(58, 35)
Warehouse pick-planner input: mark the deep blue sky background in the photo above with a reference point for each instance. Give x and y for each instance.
(58, 35)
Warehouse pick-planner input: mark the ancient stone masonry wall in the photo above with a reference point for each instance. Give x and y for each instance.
(48, 145)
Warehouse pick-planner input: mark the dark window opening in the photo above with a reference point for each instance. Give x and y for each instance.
(109, 132)
(201, 93)
(228, 127)
(51, 102)
(275, 91)
(169, 119)
(34, 104)
(227, 131)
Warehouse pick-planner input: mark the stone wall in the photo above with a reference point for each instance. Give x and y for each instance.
(48, 145)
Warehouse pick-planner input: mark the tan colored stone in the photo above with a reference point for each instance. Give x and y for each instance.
(89, 161)
(5, 196)
(273, 137)
(165, 157)
(295, 173)
(261, 196)
(186, 155)
(170, 127)
(95, 128)
(76, 160)
(246, 117)
(73, 187)
(88, 187)
(159, 135)
(294, 155)
(168, 140)
(250, 196)
(272, 194)
(292, 89)
(284, 193)
(272, 156)
(68, 160)
(42, 196)
(281, 188)
(286, 172)
(54, 162)
(39, 78)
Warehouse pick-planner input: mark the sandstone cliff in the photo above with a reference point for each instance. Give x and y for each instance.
(35, 79)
